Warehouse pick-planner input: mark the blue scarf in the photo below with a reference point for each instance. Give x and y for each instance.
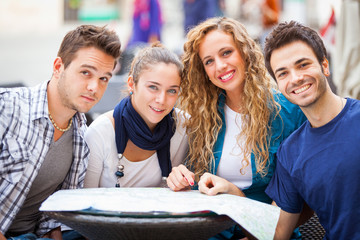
(130, 125)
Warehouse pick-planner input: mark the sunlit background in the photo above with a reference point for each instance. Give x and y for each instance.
(31, 31)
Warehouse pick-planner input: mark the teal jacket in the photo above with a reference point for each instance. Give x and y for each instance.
(290, 118)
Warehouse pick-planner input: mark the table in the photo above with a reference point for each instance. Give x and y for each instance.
(158, 213)
(95, 226)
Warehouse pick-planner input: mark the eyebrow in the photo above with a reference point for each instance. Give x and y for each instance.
(301, 60)
(279, 70)
(95, 69)
(158, 84)
(296, 62)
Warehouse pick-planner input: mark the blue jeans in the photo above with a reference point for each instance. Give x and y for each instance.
(72, 235)
(67, 235)
(28, 236)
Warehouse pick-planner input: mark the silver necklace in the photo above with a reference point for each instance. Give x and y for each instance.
(120, 171)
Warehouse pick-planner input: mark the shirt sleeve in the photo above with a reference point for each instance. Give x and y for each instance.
(46, 224)
(179, 142)
(95, 138)
(283, 191)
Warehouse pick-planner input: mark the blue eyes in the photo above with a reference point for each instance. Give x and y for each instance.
(155, 88)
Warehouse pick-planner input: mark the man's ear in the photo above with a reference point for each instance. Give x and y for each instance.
(58, 63)
(326, 67)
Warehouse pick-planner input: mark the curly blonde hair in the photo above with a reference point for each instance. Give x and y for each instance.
(199, 98)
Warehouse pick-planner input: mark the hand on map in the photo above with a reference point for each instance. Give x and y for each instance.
(180, 178)
(211, 184)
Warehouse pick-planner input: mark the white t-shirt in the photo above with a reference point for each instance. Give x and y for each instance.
(103, 161)
(231, 157)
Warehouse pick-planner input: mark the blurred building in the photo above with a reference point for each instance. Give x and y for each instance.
(31, 31)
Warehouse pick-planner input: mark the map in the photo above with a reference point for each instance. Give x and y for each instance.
(258, 218)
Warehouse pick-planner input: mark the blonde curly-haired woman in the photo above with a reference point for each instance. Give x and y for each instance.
(237, 119)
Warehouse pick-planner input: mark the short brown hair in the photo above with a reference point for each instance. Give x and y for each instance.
(286, 33)
(89, 36)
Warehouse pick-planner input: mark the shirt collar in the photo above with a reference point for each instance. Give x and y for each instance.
(39, 102)
(39, 105)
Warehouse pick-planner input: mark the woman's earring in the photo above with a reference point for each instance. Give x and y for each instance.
(131, 92)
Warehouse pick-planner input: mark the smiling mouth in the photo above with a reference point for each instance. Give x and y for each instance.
(300, 90)
(156, 109)
(227, 77)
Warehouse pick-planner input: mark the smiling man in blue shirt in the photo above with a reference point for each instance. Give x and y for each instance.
(41, 130)
(319, 163)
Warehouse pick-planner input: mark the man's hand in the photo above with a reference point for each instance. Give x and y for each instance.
(2, 237)
(211, 184)
(180, 178)
(54, 234)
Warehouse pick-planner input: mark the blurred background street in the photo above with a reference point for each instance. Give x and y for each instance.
(31, 31)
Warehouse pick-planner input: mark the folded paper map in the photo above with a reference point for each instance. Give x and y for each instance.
(258, 218)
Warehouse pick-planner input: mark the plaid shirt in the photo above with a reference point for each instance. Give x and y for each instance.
(25, 136)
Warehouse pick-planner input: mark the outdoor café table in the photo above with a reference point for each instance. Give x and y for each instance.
(103, 226)
(157, 213)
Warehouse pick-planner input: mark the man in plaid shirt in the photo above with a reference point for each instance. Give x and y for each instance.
(42, 148)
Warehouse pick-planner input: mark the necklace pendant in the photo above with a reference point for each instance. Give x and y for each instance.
(119, 174)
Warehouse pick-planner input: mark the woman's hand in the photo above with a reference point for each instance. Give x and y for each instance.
(180, 178)
(211, 184)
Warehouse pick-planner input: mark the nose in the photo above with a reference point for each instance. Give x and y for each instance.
(92, 85)
(161, 97)
(296, 76)
(220, 64)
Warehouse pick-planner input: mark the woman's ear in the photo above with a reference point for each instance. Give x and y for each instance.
(130, 82)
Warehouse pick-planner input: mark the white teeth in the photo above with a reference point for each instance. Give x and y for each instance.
(302, 89)
(226, 76)
(157, 110)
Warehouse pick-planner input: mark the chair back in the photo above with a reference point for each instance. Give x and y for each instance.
(312, 229)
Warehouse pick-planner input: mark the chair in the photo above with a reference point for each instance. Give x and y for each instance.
(12, 85)
(312, 229)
